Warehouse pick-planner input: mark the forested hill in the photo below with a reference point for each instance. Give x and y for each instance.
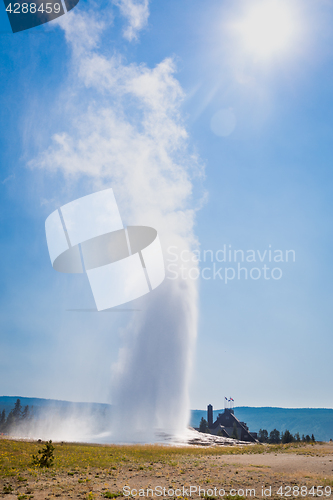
(317, 421)
(7, 403)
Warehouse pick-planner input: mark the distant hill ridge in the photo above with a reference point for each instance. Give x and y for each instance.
(317, 421)
(8, 402)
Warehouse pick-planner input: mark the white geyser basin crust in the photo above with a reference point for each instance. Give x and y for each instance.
(121, 264)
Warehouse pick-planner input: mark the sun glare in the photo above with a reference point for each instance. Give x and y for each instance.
(267, 28)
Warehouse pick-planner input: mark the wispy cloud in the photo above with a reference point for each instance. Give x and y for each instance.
(136, 13)
(7, 179)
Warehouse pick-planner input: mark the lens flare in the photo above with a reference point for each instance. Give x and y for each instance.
(267, 28)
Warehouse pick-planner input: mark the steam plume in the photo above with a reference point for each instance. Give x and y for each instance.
(126, 132)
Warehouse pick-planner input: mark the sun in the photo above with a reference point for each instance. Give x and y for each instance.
(267, 28)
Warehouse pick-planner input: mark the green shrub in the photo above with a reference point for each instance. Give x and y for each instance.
(108, 494)
(45, 457)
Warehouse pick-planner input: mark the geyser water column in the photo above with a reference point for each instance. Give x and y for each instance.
(132, 136)
(122, 264)
(87, 234)
(151, 378)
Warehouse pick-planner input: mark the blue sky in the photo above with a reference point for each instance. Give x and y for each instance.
(269, 182)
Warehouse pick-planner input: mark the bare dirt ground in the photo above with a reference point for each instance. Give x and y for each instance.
(282, 473)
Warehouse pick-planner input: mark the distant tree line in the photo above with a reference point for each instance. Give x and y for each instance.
(203, 427)
(17, 417)
(275, 437)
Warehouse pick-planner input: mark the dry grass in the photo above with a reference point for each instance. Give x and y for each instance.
(94, 471)
(15, 456)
